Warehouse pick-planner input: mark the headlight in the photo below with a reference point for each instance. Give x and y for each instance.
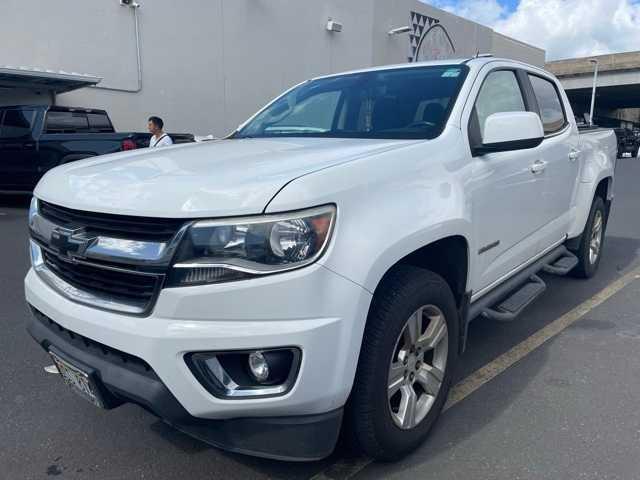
(214, 251)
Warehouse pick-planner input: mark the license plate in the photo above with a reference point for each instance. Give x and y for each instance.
(78, 380)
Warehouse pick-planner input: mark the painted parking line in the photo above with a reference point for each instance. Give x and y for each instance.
(346, 469)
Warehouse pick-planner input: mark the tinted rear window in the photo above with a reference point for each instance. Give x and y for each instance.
(550, 104)
(99, 122)
(66, 122)
(16, 123)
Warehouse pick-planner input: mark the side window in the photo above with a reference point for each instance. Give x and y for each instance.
(500, 92)
(551, 110)
(66, 122)
(17, 123)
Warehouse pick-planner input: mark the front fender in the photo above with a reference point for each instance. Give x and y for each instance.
(389, 205)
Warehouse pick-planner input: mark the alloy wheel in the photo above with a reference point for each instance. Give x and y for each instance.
(595, 243)
(417, 366)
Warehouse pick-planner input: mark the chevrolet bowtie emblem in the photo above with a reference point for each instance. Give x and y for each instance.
(70, 242)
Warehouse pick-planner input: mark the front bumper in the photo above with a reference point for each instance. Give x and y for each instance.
(313, 308)
(124, 378)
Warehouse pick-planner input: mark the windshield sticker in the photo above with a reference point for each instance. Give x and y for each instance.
(451, 73)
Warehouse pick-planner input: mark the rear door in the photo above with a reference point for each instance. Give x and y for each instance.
(18, 152)
(507, 206)
(560, 153)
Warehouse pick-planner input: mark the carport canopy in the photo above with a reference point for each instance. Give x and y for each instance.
(44, 80)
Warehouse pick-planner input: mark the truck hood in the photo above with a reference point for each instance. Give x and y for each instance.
(222, 178)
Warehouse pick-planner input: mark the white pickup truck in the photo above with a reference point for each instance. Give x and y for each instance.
(316, 271)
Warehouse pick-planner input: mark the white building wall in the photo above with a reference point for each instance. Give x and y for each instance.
(503, 46)
(209, 64)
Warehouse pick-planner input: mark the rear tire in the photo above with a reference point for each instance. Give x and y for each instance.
(589, 252)
(409, 352)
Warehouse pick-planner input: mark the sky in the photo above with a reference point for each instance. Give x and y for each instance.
(564, 28)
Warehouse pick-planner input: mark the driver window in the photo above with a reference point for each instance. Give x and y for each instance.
(500, 92)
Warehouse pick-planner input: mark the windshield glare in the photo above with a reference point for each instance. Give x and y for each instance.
(401, 103)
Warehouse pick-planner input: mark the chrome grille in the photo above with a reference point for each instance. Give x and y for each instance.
(111, 262)
(118, 226)
(118, 284)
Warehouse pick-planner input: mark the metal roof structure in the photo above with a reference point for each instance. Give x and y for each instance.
(44, 80)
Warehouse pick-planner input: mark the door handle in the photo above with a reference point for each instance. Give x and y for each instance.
(574, 155)
(538, 166)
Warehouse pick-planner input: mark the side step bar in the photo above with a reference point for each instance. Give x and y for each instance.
(513, 305)
(506, 301)
(563, 265)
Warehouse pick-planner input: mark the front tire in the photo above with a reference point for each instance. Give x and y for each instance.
(589, 251)
(404, 373)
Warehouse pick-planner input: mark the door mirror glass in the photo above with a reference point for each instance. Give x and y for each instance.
(507, 131)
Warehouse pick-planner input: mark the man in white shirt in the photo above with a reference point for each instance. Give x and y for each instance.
(158, 137)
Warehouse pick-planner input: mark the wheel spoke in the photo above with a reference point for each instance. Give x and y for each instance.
(396, 378)
(598, 223)
(430, 378)
(596, 238)
(436, 331)
(407, 410)
(413, 330)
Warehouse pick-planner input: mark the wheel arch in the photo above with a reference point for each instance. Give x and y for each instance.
(603, 188)
(448, 257)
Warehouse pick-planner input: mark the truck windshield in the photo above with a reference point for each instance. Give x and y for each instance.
(404, 103)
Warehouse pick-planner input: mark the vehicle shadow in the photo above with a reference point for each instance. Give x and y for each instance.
(488, 339)
(460, 423)
(271, 468)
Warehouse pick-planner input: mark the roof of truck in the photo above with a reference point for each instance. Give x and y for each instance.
(479, 61)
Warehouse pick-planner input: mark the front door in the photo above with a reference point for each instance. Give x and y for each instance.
(507, 206)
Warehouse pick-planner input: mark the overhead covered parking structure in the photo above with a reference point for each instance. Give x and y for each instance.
(22, 85)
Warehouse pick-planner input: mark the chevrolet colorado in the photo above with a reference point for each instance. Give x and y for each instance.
(316, 271)
(37, 138)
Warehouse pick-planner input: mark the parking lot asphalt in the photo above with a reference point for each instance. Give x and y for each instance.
(566, 410)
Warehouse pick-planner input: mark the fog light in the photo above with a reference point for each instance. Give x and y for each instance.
(246, 374)
(259, 366)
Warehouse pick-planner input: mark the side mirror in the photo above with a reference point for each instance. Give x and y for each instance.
(507, 131)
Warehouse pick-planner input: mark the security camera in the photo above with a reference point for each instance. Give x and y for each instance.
(129, 3)
(333, 26)
(399, 30)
